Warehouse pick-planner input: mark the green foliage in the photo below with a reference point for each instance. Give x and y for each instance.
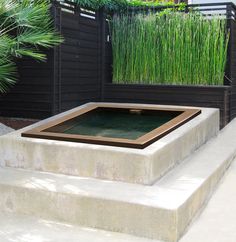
(108, 4)
(25, 27)
(116, 5)
(169, 48)
(140, 3)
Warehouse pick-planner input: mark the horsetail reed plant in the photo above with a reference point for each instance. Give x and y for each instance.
(169, 48)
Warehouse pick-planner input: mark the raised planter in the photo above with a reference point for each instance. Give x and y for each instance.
(222, 97)
(199, 96)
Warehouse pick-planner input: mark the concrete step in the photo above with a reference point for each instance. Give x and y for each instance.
(21, 228)
(217, 221)
(162, 211)
(144, 166)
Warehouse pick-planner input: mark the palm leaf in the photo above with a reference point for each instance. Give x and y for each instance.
(7, 74)
(26, 29)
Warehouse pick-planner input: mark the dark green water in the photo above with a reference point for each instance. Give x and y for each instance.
(117, 124)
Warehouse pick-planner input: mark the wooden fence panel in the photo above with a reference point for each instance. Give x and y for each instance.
(79, 58)
(232, 67)
(31, 96)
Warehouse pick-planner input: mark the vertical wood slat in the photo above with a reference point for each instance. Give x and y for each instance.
(227, 80)
(56, 92)
(102, 31)
(232, 67)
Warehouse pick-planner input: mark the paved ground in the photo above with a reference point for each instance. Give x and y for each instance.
(217, 223)
(4, 129)
(27, 229)
(17, 123)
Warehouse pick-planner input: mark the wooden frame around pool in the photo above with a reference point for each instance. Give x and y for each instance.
(140, 143)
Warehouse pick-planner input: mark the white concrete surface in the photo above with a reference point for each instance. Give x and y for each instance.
(209, 9)
(209, 1)
(107, 162)
(162, 211)
(217, 223)
(5, 129)
(20, 228)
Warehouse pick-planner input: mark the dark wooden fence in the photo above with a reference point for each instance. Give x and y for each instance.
(80, 71)
(31, 97)
(70, 77)
(231, 65)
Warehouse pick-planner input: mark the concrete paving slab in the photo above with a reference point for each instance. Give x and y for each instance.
(218, 220)
(5, 129)
(20, 228)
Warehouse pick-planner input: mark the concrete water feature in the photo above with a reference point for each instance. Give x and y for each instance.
(143, 166)
(161, 209)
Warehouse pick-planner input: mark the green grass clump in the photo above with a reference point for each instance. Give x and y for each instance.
(169, 48)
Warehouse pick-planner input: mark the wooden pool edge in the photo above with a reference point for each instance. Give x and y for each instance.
(140, 143)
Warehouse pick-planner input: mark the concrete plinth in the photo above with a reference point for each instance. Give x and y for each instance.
(161, 211)
(106, 162)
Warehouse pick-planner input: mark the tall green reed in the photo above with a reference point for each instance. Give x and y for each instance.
(169, 48)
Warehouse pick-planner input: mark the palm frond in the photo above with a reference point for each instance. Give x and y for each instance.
(7, 74)
(26, 28)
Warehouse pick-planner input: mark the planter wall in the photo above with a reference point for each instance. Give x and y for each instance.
(214, 97)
